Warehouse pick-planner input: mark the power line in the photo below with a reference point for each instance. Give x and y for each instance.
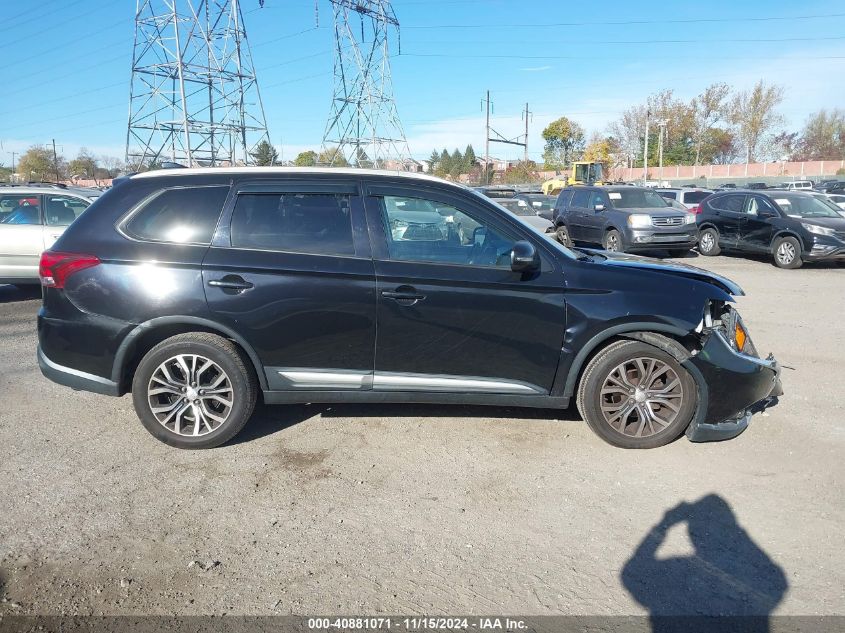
(508, 25)
(690, 41)
(587, 57)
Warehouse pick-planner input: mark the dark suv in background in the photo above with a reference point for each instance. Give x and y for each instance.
(793, 227)
(623, 219)
(198, 289)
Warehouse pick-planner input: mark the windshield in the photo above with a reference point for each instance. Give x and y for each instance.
(540, 202)
(804, 206)
(517, 207)
(636, 199)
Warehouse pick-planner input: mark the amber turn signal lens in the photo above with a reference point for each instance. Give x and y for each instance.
(739, 336)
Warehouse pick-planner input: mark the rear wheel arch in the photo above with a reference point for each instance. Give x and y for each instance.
(150, 333)
(707, 225)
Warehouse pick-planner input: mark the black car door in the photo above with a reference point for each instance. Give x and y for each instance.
(595, 216)
(452, 315)
(756, 229)
(729, 211)
(290, 271)
(577, 216)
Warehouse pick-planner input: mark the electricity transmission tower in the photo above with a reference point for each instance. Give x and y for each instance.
(363, 126)
(193, 97)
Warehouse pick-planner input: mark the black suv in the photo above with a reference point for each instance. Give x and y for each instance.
(793, 227)
(623, 219)
(196, 289)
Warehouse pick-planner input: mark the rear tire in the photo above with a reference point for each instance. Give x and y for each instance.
(634, 395)
(708, 242)
(613, 242)
(194, 390)
(787, 253)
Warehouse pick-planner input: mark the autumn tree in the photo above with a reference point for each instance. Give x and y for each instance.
(754, 113)
(708, 108)
(38, 163)
(333, 157)
(264, 155)
(823, 136)
(521, 173)
(306, 159)
(564, 142)
(84, 165)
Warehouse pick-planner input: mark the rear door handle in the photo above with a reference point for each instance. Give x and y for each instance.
(231, 283)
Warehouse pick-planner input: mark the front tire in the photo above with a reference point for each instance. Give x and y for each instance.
(194, 390)
(708, 242)
(613, 242)
(634, 395)
(787, 253)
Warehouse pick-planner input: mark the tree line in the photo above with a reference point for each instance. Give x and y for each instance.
(720, 125)
(39, 163)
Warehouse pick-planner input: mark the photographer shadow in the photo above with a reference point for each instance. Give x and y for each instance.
(728, 576)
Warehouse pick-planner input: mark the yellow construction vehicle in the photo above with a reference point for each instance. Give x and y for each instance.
(583, 173)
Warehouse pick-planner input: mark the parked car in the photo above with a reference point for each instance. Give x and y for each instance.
(527, 214)
(496, 191)
(797, 185)
(544, 205)
(197, 288)
(623, 219)
(688, 197)
(837, 198)
(829, 186)
(794, 227)
(757, 185)
(31, 219)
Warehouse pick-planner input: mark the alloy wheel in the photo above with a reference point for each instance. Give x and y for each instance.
(786, 253)
(641, 397)
(190, 395)
(706, 242)
(612, 243)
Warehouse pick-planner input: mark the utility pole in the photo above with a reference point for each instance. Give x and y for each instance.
(527, 114)
(487, 143)
(662, 126)
(55, 160)
(13, 161)
(645, 149)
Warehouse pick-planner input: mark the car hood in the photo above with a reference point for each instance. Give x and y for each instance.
(668, 211)
(837, 224)
(671, 268)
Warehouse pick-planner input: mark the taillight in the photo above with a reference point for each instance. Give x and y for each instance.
(696, 209)
(54, 268)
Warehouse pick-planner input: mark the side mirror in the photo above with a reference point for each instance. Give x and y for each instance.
(598, 208)
(524, 257)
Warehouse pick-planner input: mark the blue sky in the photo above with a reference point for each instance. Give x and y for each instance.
(66, 65)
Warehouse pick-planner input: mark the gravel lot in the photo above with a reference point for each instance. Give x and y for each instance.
(431, 510)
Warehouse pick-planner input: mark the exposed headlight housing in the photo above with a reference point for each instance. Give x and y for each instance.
(690, 218)
(819, 230)
(639, 220)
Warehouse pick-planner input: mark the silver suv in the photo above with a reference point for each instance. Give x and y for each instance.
(687, 196)
(32, 217)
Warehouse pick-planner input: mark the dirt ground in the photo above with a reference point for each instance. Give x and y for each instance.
(432, 510)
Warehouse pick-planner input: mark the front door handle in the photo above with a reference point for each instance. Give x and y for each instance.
(403, 295)
(231, 282)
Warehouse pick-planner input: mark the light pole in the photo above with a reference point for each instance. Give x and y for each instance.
(662, 127)
(645, 149)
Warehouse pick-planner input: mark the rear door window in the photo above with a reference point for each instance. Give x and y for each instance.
(187, 215)
(308, 223)
(62, 210)
(580, 199)
(20, 208)
(732, 202)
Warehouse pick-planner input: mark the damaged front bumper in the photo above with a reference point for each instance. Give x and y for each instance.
(730, 384)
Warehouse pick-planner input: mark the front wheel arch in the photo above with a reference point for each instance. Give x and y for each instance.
(787, 233)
